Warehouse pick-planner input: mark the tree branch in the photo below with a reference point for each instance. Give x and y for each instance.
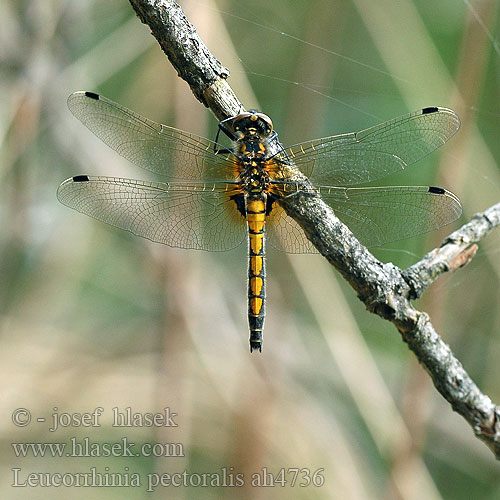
(189, 55)
(385, 289)
(455, 252)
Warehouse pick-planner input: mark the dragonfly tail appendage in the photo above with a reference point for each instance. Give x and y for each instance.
(256, 216)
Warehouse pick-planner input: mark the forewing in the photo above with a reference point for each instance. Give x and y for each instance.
(370, 154)
(187, 215)
(164, 150)
(383, 214)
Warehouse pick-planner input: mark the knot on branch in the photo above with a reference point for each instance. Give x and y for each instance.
(463, 258)
(389, 301)
(385, 309)
(418, 278)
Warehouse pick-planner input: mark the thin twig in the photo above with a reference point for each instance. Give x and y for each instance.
(385, 289)
(442, 259)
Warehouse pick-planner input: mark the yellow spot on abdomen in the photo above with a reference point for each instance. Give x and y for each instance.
(256, 226)
(256, 243)
(256, 304)
(256, 285)
(256, 265)
(256, 206)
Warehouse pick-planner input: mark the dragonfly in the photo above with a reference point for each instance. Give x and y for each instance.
(214, 198)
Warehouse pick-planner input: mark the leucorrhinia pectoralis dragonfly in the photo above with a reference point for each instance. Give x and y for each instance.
(219, 196)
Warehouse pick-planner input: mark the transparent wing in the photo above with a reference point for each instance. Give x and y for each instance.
(283, 233)
(370, 154)
(375, 215)
(187, 215)
(164, 150)
(380, 215)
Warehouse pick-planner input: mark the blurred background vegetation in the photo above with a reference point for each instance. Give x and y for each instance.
(93, 316)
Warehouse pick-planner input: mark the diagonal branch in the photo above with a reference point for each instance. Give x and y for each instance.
(385, 289)
(189, 55)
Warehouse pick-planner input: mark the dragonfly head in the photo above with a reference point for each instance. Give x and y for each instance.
(251, 125)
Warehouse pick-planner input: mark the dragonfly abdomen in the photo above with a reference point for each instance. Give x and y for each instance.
(256, 218)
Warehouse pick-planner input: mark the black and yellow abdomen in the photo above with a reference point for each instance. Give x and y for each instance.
(256, 218)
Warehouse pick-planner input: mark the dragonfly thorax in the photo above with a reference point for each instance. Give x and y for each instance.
(254, 176)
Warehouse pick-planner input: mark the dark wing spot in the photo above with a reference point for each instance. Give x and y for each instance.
(432, 109)
(81, 178)
(436, 190)
(92, 95)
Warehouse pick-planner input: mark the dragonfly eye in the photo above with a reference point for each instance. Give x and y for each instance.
(267, 123)
(252, 123)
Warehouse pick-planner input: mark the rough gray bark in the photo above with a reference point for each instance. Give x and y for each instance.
(189, 55)
(385, 289)
(456, 250)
